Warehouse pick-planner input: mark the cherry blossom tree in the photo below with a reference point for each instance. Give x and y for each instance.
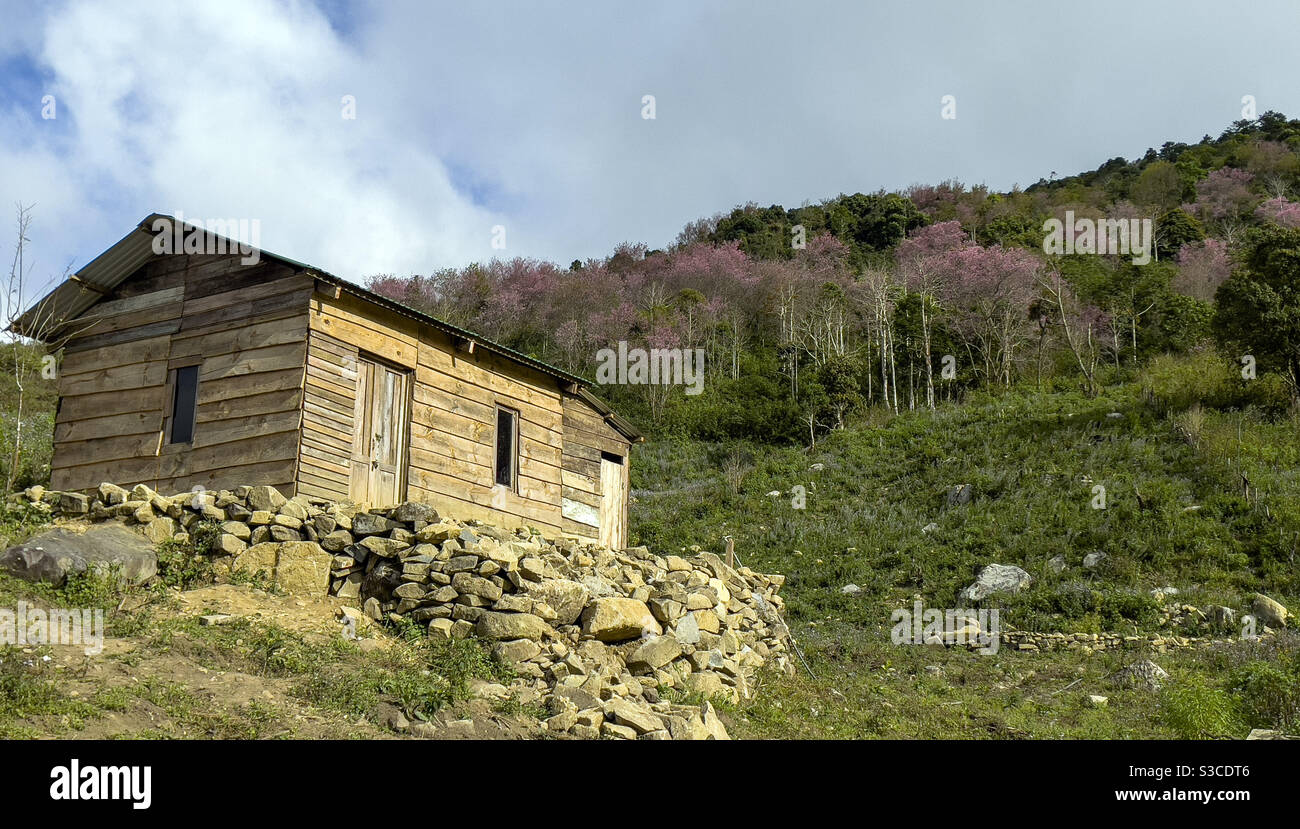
(990, 294)
(1202, 268)
(1223, 198)
(928, 269)
(1280, 212)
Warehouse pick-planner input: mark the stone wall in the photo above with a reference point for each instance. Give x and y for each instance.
(595, 635)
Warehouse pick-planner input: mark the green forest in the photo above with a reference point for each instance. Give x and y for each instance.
(810, 316)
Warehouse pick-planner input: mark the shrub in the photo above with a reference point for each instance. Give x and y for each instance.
(1176, 383)
(1198, 712)
(1268, 694)
(183, 564)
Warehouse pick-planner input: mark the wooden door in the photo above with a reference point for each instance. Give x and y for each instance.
(613, 501)
(379, 434)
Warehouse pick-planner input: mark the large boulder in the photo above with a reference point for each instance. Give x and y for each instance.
(995, 578)
(613, 619)
(302, 568)
(54, 555)
(1269, 611)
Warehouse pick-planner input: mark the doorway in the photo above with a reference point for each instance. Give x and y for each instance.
(379, 434)
(613, 501)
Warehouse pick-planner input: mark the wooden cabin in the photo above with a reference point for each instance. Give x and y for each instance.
(212, 370)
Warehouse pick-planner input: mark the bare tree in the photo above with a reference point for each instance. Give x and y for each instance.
(38, 325)
(1080, 326)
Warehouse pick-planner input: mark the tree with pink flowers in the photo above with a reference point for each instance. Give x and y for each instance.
(1280, 212)
(989, 295)
(1202, 268)
(1224, 199)
(928, 268)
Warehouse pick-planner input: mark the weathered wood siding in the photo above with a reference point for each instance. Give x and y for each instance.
(324, 462)
(453, 416)
(586, 435)
(245, 325)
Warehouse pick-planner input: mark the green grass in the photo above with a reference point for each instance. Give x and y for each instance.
(422, 677)
(1033, 462)
(20, 519)
(1176, 515)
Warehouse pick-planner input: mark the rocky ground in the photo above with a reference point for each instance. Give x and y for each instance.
(226, 661)
(592, 643)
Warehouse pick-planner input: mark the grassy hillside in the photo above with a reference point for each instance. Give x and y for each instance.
(1177, 514)
(1031, 460)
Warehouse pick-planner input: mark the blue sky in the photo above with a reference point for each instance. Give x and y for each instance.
(528, 115)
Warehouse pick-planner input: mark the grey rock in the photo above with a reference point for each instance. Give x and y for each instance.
(54, 555)
(335, 541)
(411, 511)
(325, 524)
(381, 581)
(367, 523)
(993, 579)
(688, 630)
(74, 503)
(265, 498)
(1145, 674)
(1220, 616)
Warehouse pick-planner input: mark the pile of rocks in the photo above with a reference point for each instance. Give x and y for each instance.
(593, 634)
(1023, 640)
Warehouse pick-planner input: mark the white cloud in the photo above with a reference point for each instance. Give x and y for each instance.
(234, 110)
(527, 114)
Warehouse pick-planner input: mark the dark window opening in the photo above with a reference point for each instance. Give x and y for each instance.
(185, 404)
(611, 457)
(507, 452)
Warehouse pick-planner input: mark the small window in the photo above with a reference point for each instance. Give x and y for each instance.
(507, 449)
(184, 404)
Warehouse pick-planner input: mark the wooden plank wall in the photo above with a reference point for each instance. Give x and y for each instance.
(586, 435)
(248, 325)
(324, 461)
(453, 416)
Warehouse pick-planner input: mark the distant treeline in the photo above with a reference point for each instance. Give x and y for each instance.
(807, 315)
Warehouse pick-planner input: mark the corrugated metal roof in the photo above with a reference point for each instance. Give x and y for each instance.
(50, 317)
